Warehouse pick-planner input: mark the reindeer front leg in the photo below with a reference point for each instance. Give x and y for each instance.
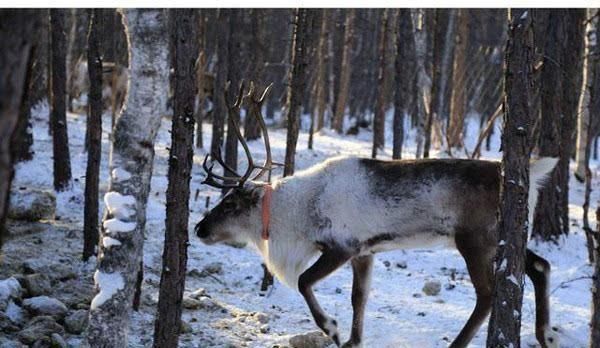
(330, 260)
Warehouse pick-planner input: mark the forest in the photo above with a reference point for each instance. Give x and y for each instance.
(299, 178)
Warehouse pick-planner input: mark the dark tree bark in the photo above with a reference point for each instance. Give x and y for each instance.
(560, 87)
(22, 138)
(234, 76)
(405, 64)
(76, 48)
(458, 105)
(201, 78)
(220, 107)
(131, 158)
(443, 46)
(436, 32)
(94, 134)
(16, 29)
(595, 324)
(505, 322)
(172, 281)
(60, 138)
(345, 72)
(304, 26)
(382, 75)
(321, 82)
(255, 70)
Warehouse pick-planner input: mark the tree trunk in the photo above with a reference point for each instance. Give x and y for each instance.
(380, 107)
(220, 108)
(257, 63)
(422, 78)
(560, 87)
(405, 64)
(131, 157)
(505, 322)
(344, 85)
(16, 30)
(234, 72)
(442, 64)
(583, 114)
(60, 138)
(172, 281)
(595, 324)
(317, 118)
(304, 26)
(77, 46)
(22, 137)
(94, 133)
(459, 92)
(201, 78)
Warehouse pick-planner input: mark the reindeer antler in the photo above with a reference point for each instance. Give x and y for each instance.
(239, 180)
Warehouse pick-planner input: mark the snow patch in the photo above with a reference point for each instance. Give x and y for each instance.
(109, 284)
(119, 205)
(119, 174)
(110, 242)
(116, 225)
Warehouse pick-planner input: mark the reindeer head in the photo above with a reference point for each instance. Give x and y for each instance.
(239, 210)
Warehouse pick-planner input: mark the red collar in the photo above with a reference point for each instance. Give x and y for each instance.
(266, 211)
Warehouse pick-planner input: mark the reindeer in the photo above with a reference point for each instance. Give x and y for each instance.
(348, 208)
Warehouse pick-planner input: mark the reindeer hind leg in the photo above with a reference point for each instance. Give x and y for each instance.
(538, 270)
(479, 262)
(362, 268)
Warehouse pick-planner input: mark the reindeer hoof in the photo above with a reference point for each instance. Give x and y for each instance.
(352, 344)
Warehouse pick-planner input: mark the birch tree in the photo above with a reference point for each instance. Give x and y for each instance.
(131, 157)
(16, 28)
(582, 152)
(505, 323)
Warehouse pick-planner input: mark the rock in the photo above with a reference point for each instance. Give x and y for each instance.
(432, 287)
(191, 303)
(15, 313)
(261, 317)
(401, 264)
(203, 302)
(7, 325)
(6, 343)
(198, 293)
(58, 341)
(76, 322)
(315, 339)
(185, 327)
(32, 204)
(42, 326)
(44, 305)
(264, 328)
(10, 289)
(36, 284)
(44, 342)
(213, 268)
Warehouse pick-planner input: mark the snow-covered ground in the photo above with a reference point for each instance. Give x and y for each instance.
(398, 313)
